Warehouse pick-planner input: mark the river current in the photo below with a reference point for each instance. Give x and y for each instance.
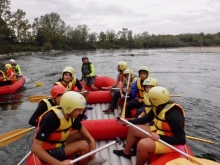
(192, 74)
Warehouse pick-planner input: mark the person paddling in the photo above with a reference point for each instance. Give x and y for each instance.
(54, 143)
(137, 92)
(120, 94)
(169, 122)
(45, 104)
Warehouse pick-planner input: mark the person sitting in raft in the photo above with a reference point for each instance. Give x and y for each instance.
(53, 142)
(137, 92)
(10, 74)
(2, 78)
(69, 82)
(170, 127)
(122, 65)
(16, 67)
(121, 93)
(88, 73)
(147, 84)
(45, 104)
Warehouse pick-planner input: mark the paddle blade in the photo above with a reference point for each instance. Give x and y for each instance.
(38, 83)
(195, 161)
(123, 111)
(199, 139)
(180, 161)
(37, 98)
(12, 136)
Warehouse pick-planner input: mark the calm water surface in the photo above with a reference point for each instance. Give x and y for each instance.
(193, 75)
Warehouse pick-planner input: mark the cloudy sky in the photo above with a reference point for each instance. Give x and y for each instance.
(153, 16)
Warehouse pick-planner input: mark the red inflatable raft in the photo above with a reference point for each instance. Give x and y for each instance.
(109, 129)
(13, 87)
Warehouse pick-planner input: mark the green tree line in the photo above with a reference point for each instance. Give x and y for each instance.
(51, 32)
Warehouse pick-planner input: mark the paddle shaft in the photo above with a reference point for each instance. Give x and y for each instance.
(97, 150)
(24, 158)
(123, 111)
(147, 133)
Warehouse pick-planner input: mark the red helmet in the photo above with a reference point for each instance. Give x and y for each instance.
(57, 90)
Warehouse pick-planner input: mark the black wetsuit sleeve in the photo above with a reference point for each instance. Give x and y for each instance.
(176, 121)
(42, 107)
(49, 123)
(78, 85)
(76, 124)
(143, 120)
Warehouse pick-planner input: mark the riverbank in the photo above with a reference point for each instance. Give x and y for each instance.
(212, 49)
(28, 53)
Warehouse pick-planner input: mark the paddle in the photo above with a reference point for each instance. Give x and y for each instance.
(37, 83)
(14, 135)
(117, 140)
(201, 140)
(199, 161)
(37, 98)
(24, 158)
(105, 88)
(123, 110)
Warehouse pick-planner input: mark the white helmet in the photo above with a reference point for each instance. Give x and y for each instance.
(72, 100)
(158, 95)
(12, 60)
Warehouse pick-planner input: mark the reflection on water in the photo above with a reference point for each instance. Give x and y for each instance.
(194, 75)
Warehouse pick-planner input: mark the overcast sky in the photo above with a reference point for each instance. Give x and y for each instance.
(153, 16)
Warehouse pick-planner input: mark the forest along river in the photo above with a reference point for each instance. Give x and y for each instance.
(184, 71)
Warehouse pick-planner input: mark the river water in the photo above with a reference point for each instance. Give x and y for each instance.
(192, 74)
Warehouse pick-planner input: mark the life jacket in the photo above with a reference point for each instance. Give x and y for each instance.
(131, 83)
(160, 122)
(86, 68)
(68, 87)
(8, 73)
(48, 106)
(3, 76)
(141, 90)
(73, 82)
(57, 138)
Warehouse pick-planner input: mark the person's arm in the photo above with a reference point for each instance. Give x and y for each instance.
(143, 120)
(122, 88)
(92, 70)
(42, 107)
(11, 75)
(116, 82)
(78, 85)
(176, 121)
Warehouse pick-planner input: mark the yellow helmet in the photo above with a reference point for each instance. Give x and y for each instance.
(70, 68)
(66, 70)
(72, 100)
(122, 65)
(8, 66)
(158, 95)
(150, 81)
(144, 68)
(129, 71)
